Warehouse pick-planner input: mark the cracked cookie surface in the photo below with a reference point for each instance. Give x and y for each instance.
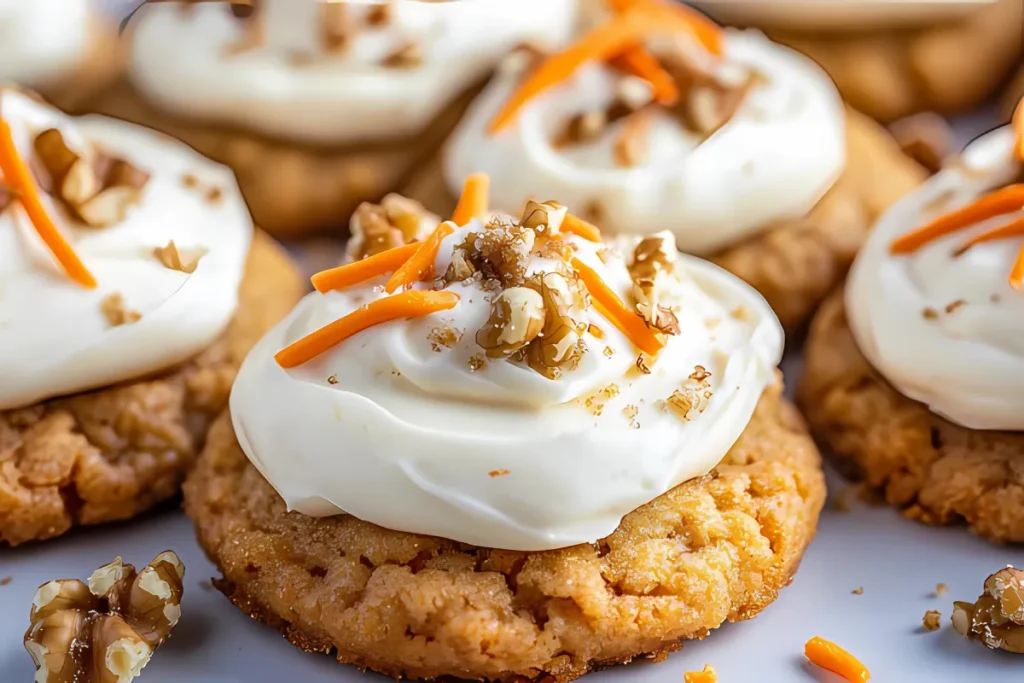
(112, 453)
(716, 548)
(935, 471)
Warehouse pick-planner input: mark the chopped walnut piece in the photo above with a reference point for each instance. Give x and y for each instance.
(252, 30)
(653, 257)
(105, 631)
(932, 620)
(858, 591)
(335, 26)
(333, 379)
(517, 317)
(499, 255)
(699, 374)
(443, 337)
(940, 588)
(173, 259)
(477, 362)
(394, 222)
(643, 364)
(558, 347)
(929, 313)
(926, 138)
(707, 100)
(544, 218)
(407, 56)
(633, 93)
(243, 9)
(632, 145)
(996, 619)
(379, 14)
(680, 404)
(114, 310)
(581, 128)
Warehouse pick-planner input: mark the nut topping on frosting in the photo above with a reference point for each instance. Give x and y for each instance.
(106, 630)
(395, 222)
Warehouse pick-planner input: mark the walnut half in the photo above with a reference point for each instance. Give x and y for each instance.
(653, 259)
(106, 631)
(996, 619)
(517, 317)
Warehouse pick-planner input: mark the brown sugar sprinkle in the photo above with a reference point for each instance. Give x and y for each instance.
(739, 313)
(407, 56)
(929, 313)
(477, 362)
(214, 195)
(172, 258)
(858, 591)
(333, 379)
(595, 331)
(631, 412)
(114, 310)
(699, 374)
(498, 473)
(950, 307)
(642, 365)
(932, 620)
(443, 337)
(609, 351)
(940, 589)
(680, 404)
(610, 391)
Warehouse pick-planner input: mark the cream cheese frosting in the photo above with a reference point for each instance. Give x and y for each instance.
(55, 337)
(412, 426)
(771, 161)
(947, 329)
(199, 62)
(41, 39)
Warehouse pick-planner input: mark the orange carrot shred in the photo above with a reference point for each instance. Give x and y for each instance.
(1017, 272)
(1002, 201)
(608, 304)
(1012, 229)
(19, 179)
(475, 197)
(641, 63)
(831, 657)
(1018, 127)
(364, 269)
(410, 304)
(604, 42)
(706, 675)
(581, 228)
(421, 264)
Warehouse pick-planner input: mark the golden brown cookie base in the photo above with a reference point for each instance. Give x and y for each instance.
(933, 470)
(295, 190)
(111, 454)
(1014, 94)
(716, 548)
(102, 64)
(794, 264)
(947, 68)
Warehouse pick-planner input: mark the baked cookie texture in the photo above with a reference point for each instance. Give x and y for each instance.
(716, 548)
(100, 67)
(947, 68)
(294, 190)
(1014, 94)
(935, 471)
(795, 264)
(111, 454)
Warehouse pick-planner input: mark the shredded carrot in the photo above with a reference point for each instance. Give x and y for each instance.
(1002, 201)
(1012, 229)
(831, 657)
(581, 228)
(1018, 127)
(707, 675)
(410, 304)
(19, 179)
(641, 63)
(679, 17)
(1017, 272)
(475, 197)
(421, 263)
(365, 269)
(604, 42)
(611, 307)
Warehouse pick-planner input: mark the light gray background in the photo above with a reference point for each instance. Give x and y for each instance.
(897, 562)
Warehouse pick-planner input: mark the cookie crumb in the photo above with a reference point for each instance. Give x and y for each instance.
(843, 502)
(333, 379)
(940, 589)
(932, 620)
(858, 591)
(705, 675)
(477, 362)
(214, 194)
(6, 580)
(929, 313)
(116, 312)
(995, 298)
(498, 473)
(953, 305)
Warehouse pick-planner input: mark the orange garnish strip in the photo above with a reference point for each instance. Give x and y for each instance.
(611, 307)
(706, 675)
(580, 228)
(831, 657)
(1018, 128)
(474, 199)
(365, 269)
(410, 304)
(1002, 201)
(1011, 229)
(421, 264)
(642, 64)
(1017, 272)
(19, 179)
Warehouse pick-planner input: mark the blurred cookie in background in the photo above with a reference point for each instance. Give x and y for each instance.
(895, 58)
(319, 106)
(65, 49)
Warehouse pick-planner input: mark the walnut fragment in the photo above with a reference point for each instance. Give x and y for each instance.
(116, 311)
(996, 619)
(105, 630)
(174, 259)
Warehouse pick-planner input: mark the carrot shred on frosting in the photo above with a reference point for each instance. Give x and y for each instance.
(580, 228)
(1012, 229)
(1017, 271)
(831, 657)
(410, 304)
(1018, 129)
(474, 199)
(365, 269)
(642, 64)
(421, 263)
(1000, 202)
(611, 306)
(19, 179)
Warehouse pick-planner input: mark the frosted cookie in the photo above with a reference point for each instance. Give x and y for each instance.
(899, 57)
(125, 310)
(510, 451)
(62, 48)
(913, 376)
(319, 106)
(738, 146)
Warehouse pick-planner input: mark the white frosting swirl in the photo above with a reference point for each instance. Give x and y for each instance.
(54, 338)
(947, 330)
(182, 62)
(772, 161)
(410, 437)
(41, 39)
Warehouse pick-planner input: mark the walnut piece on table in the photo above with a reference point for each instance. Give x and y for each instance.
(996, 619)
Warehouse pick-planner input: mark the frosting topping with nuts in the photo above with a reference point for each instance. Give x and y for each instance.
(525, 388)
(936, 297)
(656, 131)
(113, 264)
(330, 72)
(42, 41)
